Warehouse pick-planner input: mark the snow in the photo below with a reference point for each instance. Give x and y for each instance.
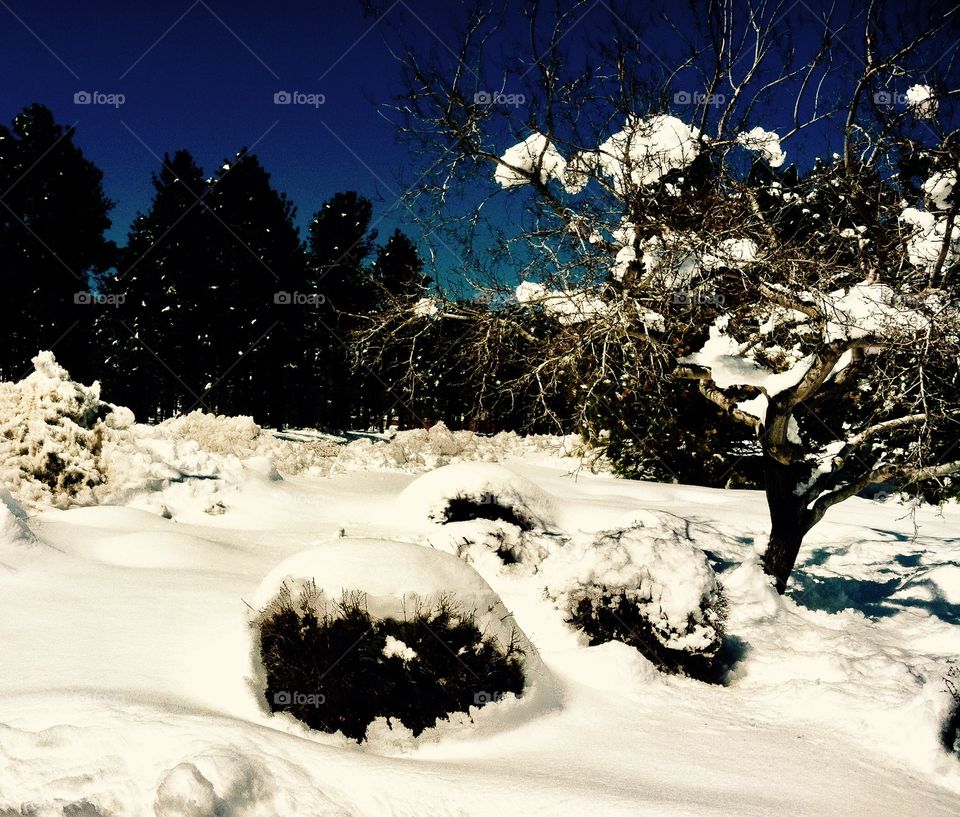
(645, 150)
(939, 187)
(765, 143)
(125, 685)
(426, 308)
(395, 648)
(921, 101)
(868, 310)
(567, 306)
(524, 158)
(926, 238)
(666, 576)
(730, 367)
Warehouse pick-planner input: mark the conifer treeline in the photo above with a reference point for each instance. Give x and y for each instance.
(215, 302)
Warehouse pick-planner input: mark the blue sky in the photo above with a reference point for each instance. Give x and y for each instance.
(202, 76)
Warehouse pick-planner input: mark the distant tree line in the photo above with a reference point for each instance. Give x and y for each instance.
(215, 302)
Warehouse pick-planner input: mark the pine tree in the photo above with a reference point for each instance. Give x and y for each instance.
(340, 241)
(52, 221)
(261, 302)
(154, 338)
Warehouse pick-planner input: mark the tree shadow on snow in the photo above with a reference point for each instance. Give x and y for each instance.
(873, 598)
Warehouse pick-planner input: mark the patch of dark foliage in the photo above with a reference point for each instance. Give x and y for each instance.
(328, 668)
(614, 617)
(950, 736)
(466, 509)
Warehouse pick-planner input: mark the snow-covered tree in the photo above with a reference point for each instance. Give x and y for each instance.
(663, 234)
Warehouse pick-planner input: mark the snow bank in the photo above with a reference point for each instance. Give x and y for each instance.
(61, 445)
(427, 500)
(13, 525)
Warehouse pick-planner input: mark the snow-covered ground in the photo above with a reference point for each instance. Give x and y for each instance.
(126, 685)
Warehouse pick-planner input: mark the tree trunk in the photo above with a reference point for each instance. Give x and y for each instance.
(789, 519)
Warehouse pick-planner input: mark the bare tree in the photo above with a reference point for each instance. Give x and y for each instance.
(659, 235)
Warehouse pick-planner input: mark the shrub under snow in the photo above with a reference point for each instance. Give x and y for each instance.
(649, 588)
(53, 434)
(467, 491)
(361, 630)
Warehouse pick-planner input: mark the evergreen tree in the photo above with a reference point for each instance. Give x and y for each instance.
(261, 302)
(340, 241)
(53, 214)
(160, 286)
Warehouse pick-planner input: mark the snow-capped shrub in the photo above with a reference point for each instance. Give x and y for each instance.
(52, 435)
(468, 491)
(338, 668)
(474, 540)
(649, 588)
(339, 641)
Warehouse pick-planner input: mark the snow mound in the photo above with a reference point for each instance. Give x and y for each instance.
(395, 579)
(467, 491)
(666, 577)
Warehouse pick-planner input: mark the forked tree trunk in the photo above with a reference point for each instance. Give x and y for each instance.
(789, 520)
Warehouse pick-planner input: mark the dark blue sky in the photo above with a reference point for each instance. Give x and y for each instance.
(202, 75)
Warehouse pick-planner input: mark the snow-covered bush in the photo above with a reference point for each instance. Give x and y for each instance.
(649, 588)
(474, 509)
(475, 540)
(416, 670)
(467, 491)
(53, 433)
(341, 642)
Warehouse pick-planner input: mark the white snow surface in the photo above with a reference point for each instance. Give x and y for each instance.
(645, 150)
(125, 681)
